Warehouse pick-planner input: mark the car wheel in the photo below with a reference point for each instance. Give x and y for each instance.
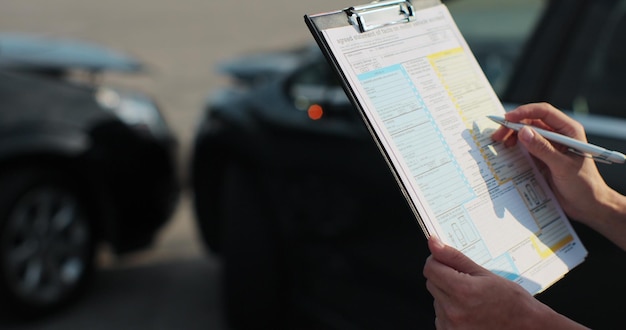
(46, 242)
(207, 186)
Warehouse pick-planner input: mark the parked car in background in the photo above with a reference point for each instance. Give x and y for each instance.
(81, 165)
(294, 197)
(292, 194)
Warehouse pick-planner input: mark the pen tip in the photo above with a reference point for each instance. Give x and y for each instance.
(497, 119)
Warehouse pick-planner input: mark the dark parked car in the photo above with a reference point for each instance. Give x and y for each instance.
(307, 219)
(81, 165)
(292, 194)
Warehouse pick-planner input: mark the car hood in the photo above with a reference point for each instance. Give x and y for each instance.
(254, 66)
(36, 52)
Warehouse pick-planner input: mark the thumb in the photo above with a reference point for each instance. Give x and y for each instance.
(538, 146)
(452, 257)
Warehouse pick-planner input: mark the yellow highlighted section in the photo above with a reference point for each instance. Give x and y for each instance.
(546, 251)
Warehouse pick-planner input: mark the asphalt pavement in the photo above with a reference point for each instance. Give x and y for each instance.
(177, 294)
(174, 284)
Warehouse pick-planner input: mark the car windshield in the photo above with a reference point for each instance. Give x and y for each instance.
(496, 30)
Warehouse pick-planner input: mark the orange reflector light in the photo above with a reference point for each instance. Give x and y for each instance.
(315, 111)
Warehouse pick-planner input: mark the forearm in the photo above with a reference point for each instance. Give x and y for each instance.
(547, 318)
(610, 218)
(559, 321)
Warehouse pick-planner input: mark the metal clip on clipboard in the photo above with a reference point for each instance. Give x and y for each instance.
(379, 14)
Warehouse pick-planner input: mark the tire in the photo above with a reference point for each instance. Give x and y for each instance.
(46, 242)
(207, 185)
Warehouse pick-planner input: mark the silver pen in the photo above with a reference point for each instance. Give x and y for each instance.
(581, 148)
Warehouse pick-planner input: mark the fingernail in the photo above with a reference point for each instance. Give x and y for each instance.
(437, 241)
(526, 134)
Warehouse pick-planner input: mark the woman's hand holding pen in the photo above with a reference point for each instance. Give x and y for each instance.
(576, 181)
(495, 302)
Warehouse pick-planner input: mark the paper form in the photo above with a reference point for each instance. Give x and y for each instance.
(427, 100)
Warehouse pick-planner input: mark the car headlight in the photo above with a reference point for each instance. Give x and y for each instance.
(134, 109)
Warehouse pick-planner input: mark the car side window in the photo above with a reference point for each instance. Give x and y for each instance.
(601, 89)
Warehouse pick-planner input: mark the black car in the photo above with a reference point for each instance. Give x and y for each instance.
(81, 165)
(307, 220)
(292, 194)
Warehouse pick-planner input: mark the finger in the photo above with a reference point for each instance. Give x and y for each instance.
(511, 141)
(437, 293)
(452, 257)
(502, 133)
(541, 148)
(505, 135)
(439, 323)
(439, 278)
(537, 112)
(437, 307)
(434, 269)
(440, 315)
(544, 115)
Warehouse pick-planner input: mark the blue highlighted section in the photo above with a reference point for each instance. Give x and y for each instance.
(406, 117)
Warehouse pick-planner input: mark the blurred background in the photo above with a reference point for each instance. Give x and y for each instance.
(180, 42)
(253, 194)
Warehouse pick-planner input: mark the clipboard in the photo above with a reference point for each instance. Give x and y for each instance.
(365, 18)
(408, 70)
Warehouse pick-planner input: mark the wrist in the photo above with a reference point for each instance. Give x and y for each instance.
(612, 208)
(610, 217)
(550, 319)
